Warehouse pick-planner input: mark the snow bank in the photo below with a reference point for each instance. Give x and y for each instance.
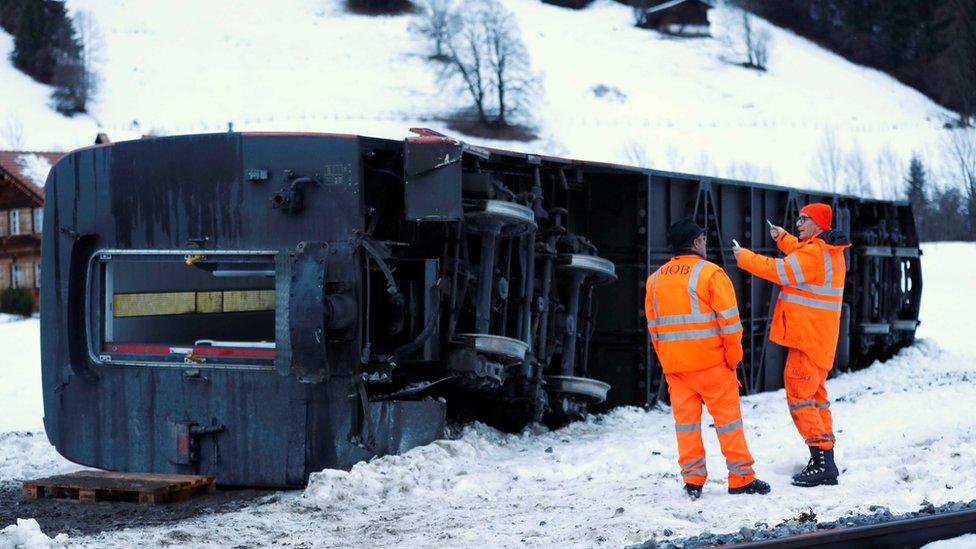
(29, 455)
(947, 300)
(962, 542)
(906, 438)
(20, 372)
(26, 534)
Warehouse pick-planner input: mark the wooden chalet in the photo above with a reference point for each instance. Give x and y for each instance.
(676, 17)
(22, 178)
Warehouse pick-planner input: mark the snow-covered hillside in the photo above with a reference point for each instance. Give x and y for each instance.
(189, 67)
(906, 436)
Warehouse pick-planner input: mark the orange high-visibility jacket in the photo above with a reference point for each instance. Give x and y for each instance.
(692, 315)
(811, 276)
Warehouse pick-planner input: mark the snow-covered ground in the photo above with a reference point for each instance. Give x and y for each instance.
(905, 429)
(186, 66)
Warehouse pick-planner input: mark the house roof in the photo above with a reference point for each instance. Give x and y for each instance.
(29, 169)
(673, 3)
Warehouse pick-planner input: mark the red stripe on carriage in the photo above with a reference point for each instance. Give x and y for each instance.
(218, 352)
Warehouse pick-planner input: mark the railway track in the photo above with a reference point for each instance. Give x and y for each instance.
(902, 533)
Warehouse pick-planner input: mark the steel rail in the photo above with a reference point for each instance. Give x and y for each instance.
(911, 532)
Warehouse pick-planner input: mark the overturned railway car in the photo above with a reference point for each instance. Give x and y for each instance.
(257, 307)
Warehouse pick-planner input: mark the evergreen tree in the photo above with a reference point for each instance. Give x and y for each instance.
(47, 48)
(10, 12)
(45, 39)
(948, 220)
(917, 195)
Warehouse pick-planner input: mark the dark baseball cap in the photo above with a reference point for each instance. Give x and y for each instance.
(683, 233)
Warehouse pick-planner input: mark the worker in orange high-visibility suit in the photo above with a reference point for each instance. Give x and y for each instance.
(807, 321)
(694, 327)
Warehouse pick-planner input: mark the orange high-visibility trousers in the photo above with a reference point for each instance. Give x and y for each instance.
(718, 388)
(806, 394)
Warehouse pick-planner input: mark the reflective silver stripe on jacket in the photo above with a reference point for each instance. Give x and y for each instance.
(731, 328)
(800, 300)
(728, 313)
(828, 269)
(820, 290)
(797, 272)
(696, 315)
(693, 283)
(654, 297)
(685, 334)
(671, 320)
(781, 271)
(802, 404)
(687, 427)
(825, 290)
(737, 424)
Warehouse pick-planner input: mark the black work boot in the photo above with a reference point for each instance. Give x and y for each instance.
(693, 491)
(821, 469)
(755, 487)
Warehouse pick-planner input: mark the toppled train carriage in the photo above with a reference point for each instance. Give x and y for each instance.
(257, 307)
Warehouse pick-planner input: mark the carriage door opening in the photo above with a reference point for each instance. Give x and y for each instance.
(182, 308)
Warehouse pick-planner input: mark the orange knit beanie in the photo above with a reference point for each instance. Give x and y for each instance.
(820, 214)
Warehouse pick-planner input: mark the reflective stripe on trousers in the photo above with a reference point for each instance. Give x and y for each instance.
(693, 468)
(737, 424)
(743, 467)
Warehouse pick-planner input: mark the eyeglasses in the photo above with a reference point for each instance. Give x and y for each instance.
(802, 219)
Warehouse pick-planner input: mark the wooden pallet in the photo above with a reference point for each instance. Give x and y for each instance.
(95, 486)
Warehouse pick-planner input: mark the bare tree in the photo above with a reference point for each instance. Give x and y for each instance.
(635, 154)
(467, 63)
(858, 181)
(488, 57)
(75, 77)
(888, 172)
(829, 162)
(676, 160)
(90, 37)
(436, 23)
(960, 147)
(705, 165)
(744, 171)
(13, 132)
(756, 41)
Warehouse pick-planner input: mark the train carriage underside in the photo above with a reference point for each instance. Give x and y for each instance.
(258, 307)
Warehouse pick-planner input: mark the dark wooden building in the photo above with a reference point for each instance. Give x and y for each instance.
(22, 177)
(675, 17)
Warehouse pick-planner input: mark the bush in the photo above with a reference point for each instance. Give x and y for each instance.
(17, 301)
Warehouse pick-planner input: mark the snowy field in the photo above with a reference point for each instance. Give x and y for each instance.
(629, 95)
(905, 429)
